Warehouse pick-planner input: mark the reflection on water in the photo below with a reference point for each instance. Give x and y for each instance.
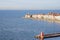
(49, 20)
(13, 27)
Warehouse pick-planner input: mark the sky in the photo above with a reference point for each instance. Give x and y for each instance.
(29, 4)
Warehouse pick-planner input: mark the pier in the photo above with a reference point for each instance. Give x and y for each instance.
(43, 36)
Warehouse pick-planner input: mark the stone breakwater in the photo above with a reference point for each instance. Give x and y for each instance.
(50, 16)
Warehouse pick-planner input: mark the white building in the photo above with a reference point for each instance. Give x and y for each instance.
(27, 16)
(57, 17)
(44, 16)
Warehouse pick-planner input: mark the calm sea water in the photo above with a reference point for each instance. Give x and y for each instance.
(14, 27)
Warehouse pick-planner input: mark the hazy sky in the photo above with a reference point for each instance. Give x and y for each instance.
(29, 4)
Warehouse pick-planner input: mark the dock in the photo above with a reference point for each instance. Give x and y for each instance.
(43, 36)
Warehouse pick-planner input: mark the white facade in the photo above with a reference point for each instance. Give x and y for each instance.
(38, 16)
(50, 17)
(45, 16)
(27, 16)
(34, 16)
(57, 17)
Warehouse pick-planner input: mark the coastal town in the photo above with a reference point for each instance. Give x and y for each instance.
(48, 16)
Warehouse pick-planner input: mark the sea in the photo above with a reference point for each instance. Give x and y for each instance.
(14, 27)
